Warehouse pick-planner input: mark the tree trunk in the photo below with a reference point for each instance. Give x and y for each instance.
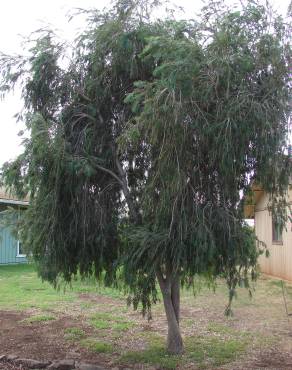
(175, 297)
(170, 288)
(135, 217)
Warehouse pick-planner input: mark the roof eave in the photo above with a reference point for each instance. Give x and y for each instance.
(252, 200)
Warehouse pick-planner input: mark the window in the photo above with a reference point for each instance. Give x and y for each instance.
(20, 252)
(277, 231)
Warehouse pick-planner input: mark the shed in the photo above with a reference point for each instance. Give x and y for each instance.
(10, 247)
(277, 241)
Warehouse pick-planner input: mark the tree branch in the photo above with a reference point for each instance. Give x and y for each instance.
(110, 173)
(134, 214)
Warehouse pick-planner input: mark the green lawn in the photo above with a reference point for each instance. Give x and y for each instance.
(21, 289)
(102, 324)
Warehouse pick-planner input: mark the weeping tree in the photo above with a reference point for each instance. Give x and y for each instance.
(143, 138)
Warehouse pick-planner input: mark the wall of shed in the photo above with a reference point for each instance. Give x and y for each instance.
(8, 246)
(279, 263)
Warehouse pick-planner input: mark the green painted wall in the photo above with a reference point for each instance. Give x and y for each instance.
(8, 246)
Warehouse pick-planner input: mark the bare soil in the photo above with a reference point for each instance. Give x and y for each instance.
(9, 366)
(45, 341)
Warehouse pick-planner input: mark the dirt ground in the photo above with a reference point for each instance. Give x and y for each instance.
(44, 341)
(263, 318)
(9, 366)
(41, 341)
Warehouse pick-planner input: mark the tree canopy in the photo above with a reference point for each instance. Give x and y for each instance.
(142, 144)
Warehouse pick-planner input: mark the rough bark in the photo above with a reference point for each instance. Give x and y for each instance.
(170, 289)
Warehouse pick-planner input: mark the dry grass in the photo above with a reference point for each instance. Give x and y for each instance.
(257, 335)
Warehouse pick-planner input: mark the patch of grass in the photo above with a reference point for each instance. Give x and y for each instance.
(87, 305)
(215, 350)
(97, 346)
(21, 289)
(106, 316)
(221, 329)
(39, 318)
(276, 283)
(15, 270)
(278, 286)
(110, 292)
(188, 322)
(155, 354)
(212, 351)
(100, 324)
(108, 320)
(123, 326)
(74, 333)
(202, 350)
(152, 339)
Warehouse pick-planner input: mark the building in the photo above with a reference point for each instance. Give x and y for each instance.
(10, 247)
(278, 242)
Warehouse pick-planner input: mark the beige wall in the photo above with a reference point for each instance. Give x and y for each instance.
(279, 263)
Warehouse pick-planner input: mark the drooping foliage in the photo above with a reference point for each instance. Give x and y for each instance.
(214, 116)
(74, 117)
(143, 142)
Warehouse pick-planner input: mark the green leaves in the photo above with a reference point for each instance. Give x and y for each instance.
(208, 118)
(140, 147)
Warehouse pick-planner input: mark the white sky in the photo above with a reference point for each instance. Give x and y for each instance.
(19, 18)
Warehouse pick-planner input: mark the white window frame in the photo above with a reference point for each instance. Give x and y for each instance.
(18, 254)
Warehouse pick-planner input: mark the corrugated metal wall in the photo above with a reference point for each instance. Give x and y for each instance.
(279, 263)
(8, 246)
